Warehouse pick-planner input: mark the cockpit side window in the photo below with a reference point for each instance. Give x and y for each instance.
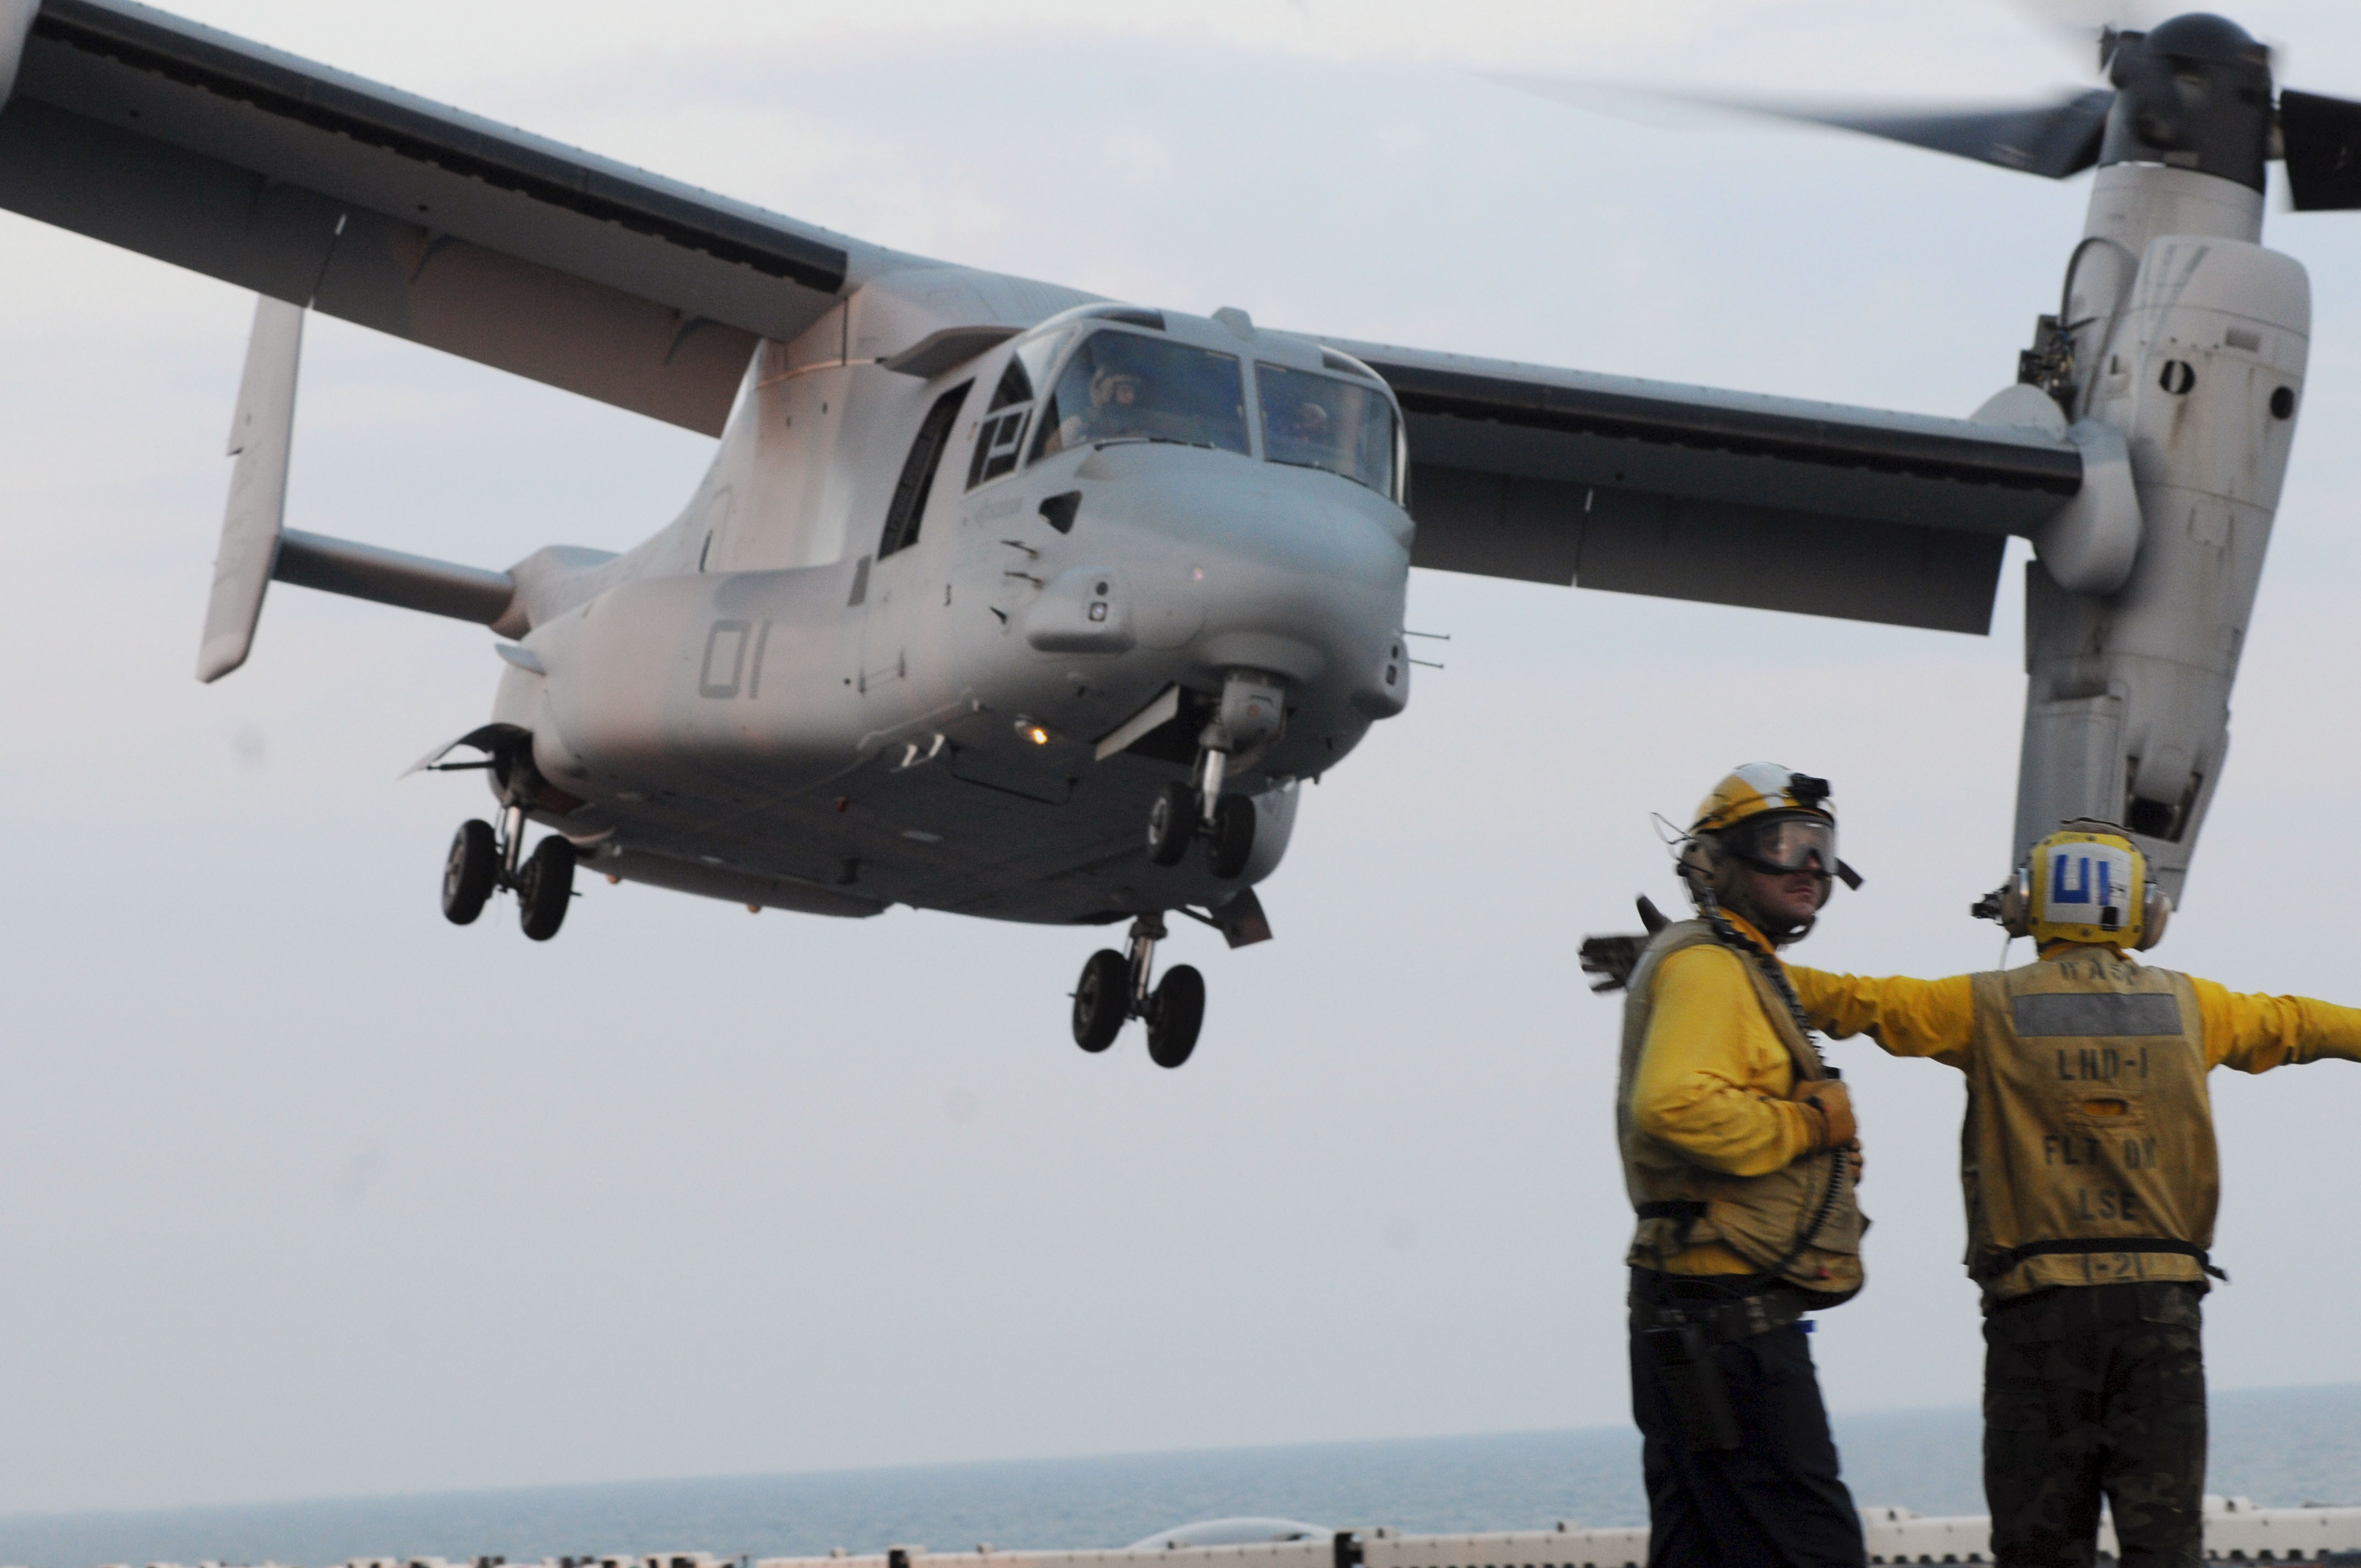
(1001, 434)
(909, 502)
(1015, 387)
(1327, 422)
(1003, 427)
(1126, 386)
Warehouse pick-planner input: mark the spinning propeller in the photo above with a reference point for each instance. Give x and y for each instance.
(2193, 92)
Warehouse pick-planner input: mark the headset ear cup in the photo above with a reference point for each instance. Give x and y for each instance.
(2017, 907)
(2156, 914)
(1694, 865)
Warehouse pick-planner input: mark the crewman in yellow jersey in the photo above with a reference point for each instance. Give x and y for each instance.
(1740, 1155)
(2089, 1167)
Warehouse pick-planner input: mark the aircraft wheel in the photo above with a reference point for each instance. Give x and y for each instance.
(1102, 1000)
(1234, 835)
(1172, 823)
(469, 870)
(544, 887)
(1175, 1012)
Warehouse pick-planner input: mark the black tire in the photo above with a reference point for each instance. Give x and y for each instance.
(544, 887)
(1172, 823)
(1102, 999)
(1176, 1010)
(1232, 844)
(469, 870)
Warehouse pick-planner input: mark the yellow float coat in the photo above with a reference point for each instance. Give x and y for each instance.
(1713, 1080)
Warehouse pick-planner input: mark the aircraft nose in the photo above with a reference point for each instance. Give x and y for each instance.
(1244, 564)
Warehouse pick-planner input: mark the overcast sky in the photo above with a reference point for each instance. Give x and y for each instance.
(306, 1192)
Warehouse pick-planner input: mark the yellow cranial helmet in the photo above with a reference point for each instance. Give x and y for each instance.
(1757, 788)
(2086, 883)
(1771, 817)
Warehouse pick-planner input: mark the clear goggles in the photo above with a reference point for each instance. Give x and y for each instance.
(1787, 844)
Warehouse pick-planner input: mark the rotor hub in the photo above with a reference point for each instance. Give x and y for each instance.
(2193, 93)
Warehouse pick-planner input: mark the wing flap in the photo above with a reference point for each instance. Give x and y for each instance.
(1707, 550)
(274, 174)
(298, 245)
(295, 121)
(1727, 497)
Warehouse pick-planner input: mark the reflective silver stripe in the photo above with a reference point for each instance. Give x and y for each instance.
(2097, 1016)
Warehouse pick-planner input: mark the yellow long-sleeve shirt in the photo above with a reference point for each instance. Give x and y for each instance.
(2246, 1030)
(1713, 1080)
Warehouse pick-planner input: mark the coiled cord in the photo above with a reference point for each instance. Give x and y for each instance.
(1709, 908)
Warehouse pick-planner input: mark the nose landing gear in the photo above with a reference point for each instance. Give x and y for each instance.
(1250, 719)
(1172, 823)
(1230, 845)
(1226, 823)
(1115, 989)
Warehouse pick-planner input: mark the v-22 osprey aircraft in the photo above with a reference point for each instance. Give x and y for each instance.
(1005, 599)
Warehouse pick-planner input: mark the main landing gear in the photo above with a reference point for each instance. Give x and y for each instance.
(484, 860)
(1114, 988)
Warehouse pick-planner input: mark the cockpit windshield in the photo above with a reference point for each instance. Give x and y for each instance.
(1327, 422)
(1128, 386)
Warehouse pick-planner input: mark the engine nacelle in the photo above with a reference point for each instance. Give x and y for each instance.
(2200, 365)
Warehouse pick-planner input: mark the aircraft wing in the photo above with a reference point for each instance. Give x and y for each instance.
(1731, 498)
(309, 185)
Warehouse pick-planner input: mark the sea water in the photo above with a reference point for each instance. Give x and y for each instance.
(2282, 1447)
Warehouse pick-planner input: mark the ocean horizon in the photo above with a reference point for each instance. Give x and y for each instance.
(2283, 1447)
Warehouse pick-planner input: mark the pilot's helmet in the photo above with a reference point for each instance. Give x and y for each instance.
(1120, 366)
(1116, 384)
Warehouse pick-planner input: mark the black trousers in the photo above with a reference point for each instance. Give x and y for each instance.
(2091, 1390)
(1775, 1501)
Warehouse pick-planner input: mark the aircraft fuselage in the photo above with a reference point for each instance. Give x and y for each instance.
(817, 690)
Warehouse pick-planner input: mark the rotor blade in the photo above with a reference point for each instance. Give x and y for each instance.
(2054, 140)
(2088, 18)
(2323, 136)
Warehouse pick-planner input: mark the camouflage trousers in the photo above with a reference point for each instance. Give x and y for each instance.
(2090, 1390)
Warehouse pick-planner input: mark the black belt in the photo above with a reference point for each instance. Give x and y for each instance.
(1671, 1209)
(1998, 1264)
(1724, 1322)
(1688, 1210)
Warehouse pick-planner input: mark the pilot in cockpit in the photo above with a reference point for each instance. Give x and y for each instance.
(1115, 408)
(1128, 386)
(1309, 426)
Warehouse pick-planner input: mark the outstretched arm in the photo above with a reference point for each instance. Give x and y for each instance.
(2255, 1033)
(1909, 1017)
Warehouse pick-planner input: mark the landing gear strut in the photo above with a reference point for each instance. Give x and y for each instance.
(1115, 989)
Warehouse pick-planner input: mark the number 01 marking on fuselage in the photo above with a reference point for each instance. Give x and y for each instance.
(726, 662)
